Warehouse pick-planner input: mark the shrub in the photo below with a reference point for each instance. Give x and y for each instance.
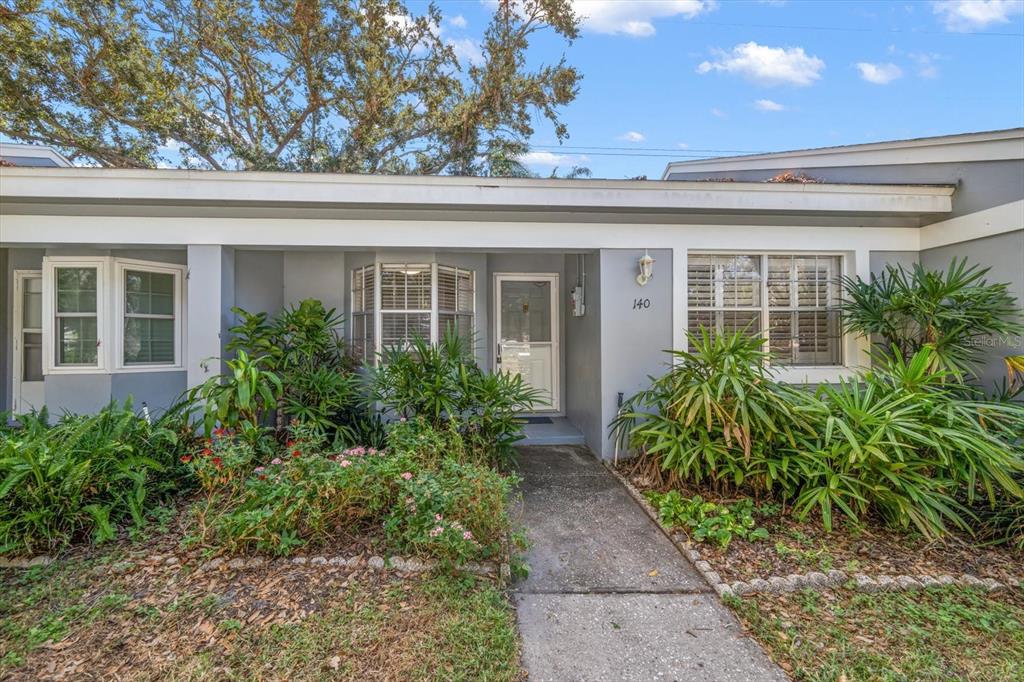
(456, 513)
(241, 399)
(905, 440)
(947, 311)
(309, 495)
(707, 521)
(303, 347)
(85, 474)
(716, 413)
(443, 383)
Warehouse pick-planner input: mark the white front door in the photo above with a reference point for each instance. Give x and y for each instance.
(526, 311)
(28, 341)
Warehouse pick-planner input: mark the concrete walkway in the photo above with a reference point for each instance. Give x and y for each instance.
(608, 596)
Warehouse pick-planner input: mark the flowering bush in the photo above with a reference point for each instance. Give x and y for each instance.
(307, 494)
(456, 513)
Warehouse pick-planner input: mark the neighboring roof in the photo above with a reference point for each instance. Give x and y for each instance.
(123, 187)
(32, 156)
(990, 145)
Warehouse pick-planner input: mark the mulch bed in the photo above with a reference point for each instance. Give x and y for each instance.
(873, 548)
(143, 610)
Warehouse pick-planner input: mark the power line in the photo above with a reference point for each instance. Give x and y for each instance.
(681, 150)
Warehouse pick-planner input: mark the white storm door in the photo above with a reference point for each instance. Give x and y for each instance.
(28, 341)
(526, 310)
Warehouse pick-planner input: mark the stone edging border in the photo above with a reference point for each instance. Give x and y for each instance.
(397, 563)
(814, 580)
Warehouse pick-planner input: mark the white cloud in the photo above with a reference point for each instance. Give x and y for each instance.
(632, 136)
(970, 15)
(467, 50)
(926, 66)
(767, 65)
(635, 17)
(550, 159)
(171, 145)
(768, 105)
(879, 74)
(718, 113)
(683, 145)
(458, 21)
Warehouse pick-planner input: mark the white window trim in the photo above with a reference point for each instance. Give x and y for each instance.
(50, 265)
(18, 351)
(110, 314)
(376, 313)
(178, 271)
(812, 374)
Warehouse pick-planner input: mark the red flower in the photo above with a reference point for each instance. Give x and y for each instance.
(296, 453)
(290, 444)
(263, 477)
(217, 461)
(186, 459)
(207, 451)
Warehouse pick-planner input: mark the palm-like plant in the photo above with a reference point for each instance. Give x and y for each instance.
(715, 413)
(948, 311)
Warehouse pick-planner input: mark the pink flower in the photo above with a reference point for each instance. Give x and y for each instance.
(467, 535)
(437, 531)
(403, 420)
(372, 451)
(438, 517)
(407, 475)
(259, 470)
(345, 463)
(276, 460)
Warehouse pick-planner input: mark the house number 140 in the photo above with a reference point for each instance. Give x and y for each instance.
(641, 303)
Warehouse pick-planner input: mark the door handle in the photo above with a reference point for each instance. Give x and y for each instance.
(498, 354)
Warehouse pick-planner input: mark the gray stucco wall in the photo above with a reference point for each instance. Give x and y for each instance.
(981, 184)
(1004, 254)
(259, 281)
(583, 393)
(636, 328)
(880, 259)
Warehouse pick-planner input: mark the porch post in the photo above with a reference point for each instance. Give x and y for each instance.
(679, 297)
(211, 293)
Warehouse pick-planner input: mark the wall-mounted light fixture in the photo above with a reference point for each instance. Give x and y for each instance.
(646, 264)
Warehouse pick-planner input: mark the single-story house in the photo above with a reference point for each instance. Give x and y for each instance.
(121, 282)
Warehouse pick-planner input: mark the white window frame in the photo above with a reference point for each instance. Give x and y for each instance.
(50, 266)
(121, 265)
(786, 372)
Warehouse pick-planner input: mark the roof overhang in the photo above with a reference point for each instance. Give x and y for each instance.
(996, 145)
(183, 188)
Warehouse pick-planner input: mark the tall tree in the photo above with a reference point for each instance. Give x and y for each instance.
(359, 86)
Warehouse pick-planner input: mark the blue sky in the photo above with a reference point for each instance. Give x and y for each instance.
(686, 76)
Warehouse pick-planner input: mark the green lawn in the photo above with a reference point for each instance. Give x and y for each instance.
(941, 635)
(283, 622)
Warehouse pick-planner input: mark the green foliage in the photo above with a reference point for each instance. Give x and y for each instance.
(716, 413)
(443, 383)
(707, 521)
(310, 494)
(904, 441)
(85, 474)
(319, 85)
(456, 513)
(947, 311)
(302, 346)
(242, 398)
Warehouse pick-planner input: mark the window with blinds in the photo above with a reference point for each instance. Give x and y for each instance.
(791, 299)
(395, 303)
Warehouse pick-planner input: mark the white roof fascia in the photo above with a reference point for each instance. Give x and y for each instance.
(89, 185)
(989, 146)
(34, 151)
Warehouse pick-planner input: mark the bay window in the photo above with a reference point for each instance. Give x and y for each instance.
(393, 303)
(790, 299)
(149, 299)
